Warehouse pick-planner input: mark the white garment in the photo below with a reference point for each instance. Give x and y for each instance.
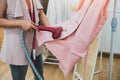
(58, 11)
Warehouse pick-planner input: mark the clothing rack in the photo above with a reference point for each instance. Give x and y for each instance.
(51, 60)
(78, 73)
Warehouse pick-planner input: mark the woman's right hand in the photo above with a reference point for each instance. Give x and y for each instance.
(27, 25)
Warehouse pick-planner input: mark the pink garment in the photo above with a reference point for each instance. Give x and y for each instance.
(79, 32)
(73, 23)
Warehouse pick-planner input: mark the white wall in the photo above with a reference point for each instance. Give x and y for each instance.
(105, 35)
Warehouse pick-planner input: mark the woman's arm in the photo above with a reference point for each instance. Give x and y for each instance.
(5, 23)
(43, 18)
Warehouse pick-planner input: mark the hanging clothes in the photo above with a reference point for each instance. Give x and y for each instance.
(78, 33)
(58, 11)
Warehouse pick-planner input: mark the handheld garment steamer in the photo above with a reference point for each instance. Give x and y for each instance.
(56, 33)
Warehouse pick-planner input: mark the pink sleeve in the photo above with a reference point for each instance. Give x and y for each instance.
(80, 4)
(105, 14)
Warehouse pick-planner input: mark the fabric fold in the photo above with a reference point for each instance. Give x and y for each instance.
(79, 32)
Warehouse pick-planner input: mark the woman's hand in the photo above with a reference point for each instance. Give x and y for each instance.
(27, 25)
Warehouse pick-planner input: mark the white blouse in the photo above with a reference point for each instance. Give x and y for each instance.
(58, 11)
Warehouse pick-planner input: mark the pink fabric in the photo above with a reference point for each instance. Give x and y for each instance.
(73, 23)
(78, 34)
